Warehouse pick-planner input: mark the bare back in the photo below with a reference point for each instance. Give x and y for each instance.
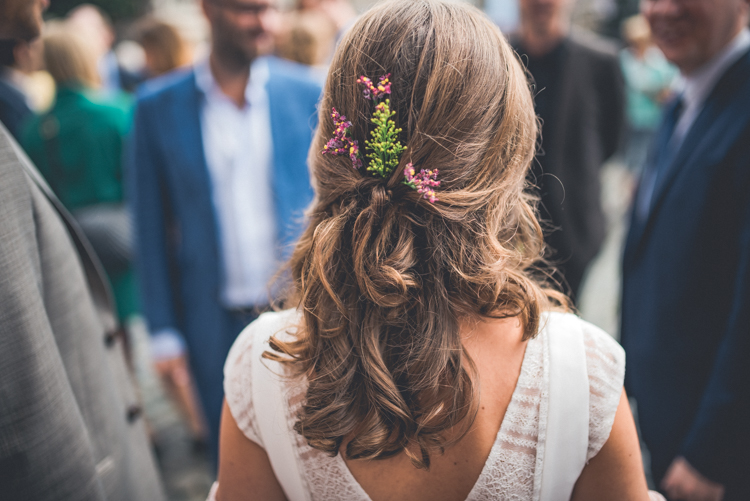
(500, 458)
(497, 350)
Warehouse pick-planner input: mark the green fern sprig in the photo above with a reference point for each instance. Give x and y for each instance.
(384, 149)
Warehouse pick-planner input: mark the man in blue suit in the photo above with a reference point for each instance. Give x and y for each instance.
(686, 275)
(218, 185)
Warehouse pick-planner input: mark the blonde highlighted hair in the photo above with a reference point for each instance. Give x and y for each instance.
(68, 59)
(383, 277)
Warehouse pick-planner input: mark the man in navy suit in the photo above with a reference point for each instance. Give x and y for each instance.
(218, 185)
(686, 271)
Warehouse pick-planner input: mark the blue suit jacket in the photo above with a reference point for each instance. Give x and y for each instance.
(178, 254)
(686, 296)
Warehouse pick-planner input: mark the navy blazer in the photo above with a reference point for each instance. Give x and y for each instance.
(178, 254)
(686, 296)
(13, 108)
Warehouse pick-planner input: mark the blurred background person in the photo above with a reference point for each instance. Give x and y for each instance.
(649, 78)
(580, 99)
(77, 146)
(218, 185)
(686, 267)
(165, 51)
(164, 47)
(306, 37)
(15, 107)
(95, 26)
(339, 12)
(28, 75)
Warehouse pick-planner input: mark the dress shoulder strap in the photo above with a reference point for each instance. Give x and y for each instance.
(269, 400)
(567, 433)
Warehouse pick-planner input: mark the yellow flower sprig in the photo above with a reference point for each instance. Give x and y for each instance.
(384, 149)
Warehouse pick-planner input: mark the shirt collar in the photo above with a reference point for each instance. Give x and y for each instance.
(697, 85)
(204, 79)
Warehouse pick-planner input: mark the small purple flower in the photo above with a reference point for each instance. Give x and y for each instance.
(424, 182)
(340, 143)
(372, 91)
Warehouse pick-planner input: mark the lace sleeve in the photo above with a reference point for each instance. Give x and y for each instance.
(238, 384)
(605, 362)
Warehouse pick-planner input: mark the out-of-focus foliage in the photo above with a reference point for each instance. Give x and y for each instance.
(117, 9)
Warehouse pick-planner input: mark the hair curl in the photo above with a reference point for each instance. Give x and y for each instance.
(383, 277)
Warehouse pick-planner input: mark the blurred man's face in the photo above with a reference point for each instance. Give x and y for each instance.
(241, 29)
(544, 15)
(691, 32)
(21, 19)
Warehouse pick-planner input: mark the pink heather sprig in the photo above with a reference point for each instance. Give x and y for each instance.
(373, 91)
(340, 143)
(424, 182)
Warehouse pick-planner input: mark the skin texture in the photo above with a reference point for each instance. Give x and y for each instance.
(691, 32)
(240, 31)
(244, 469)
(615, 474)
(21, 19)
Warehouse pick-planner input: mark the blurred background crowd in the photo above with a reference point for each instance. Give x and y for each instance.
(71, 99)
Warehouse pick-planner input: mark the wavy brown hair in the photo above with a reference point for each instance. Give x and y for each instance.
(383, 277)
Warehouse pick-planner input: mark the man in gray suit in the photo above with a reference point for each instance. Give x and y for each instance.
(70, 426)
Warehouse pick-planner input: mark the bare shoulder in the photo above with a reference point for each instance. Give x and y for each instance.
(616, 472)
(245, 472)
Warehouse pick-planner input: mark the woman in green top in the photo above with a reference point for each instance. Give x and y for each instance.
(78, 144)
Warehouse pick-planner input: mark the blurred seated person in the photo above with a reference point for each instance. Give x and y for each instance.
(77, 146)
(648, 84)
(306, 37)
(165, 49)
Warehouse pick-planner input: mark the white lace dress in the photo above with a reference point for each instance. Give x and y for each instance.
(513, 468)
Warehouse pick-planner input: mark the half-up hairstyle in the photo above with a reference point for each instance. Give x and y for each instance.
(382, 276)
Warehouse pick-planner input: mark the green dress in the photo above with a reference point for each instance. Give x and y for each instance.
(77, 146)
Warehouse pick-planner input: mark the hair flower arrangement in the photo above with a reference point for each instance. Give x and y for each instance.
(341, 143)
(384, 149)
(425, 182)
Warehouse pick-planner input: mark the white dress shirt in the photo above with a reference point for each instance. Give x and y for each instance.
(238, 147)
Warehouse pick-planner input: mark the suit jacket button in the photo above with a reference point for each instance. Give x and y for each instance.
(110, 338)
(134, 412)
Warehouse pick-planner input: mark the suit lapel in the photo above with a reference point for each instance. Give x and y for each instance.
(639, 222)
(187, 131)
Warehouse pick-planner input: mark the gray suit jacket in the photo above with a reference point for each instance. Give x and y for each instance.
(70, 425)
